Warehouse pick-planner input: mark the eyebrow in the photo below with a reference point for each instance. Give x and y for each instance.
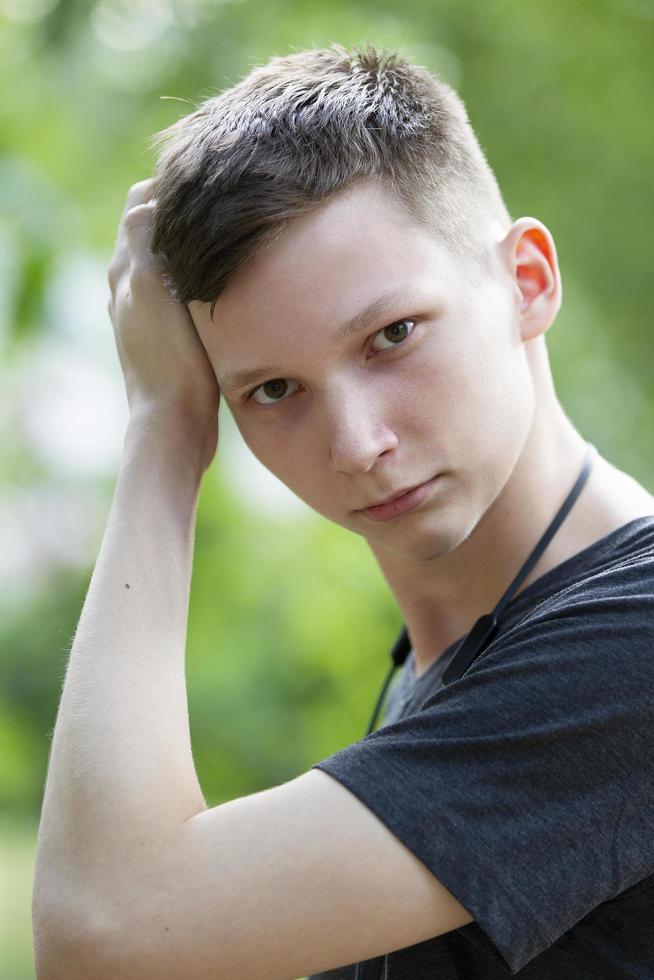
(373, 311)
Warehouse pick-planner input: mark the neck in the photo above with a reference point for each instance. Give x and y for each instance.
(442, 598)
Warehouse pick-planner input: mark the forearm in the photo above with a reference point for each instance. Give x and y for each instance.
(121, 775)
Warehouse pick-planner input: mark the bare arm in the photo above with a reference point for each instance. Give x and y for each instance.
(121, 775)
(121, 768)
(135, 877)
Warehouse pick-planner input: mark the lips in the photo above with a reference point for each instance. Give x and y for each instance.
(407, 501)
(394, 496)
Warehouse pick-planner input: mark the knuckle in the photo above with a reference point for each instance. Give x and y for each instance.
(112, 274)
(135, 216)
(138, 189)
(117, 266)
(140, 275)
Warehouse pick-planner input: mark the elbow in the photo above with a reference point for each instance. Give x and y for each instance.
(68, 947)
(65, 958)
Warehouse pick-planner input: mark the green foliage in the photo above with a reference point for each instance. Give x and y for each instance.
(16, 873)
(290, 621)
(289, 624)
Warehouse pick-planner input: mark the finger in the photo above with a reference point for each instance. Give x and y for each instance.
(138, 193)
(137, 224)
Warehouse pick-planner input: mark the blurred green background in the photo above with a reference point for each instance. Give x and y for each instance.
(290, 620)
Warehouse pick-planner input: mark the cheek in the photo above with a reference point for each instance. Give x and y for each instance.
(438, 385)
(491, 402)
(261, 444)
(251, 436)
(277, 448)
(466, 392)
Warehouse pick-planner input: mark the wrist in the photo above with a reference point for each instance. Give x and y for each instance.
(171, 428)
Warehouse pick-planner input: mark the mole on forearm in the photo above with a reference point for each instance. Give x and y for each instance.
(127, 585)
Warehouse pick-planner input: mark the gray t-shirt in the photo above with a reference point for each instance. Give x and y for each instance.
(527, 785)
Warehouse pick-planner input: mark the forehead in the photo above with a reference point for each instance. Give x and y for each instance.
(320, 272)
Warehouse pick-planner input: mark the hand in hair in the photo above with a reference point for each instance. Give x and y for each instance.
(163, 360)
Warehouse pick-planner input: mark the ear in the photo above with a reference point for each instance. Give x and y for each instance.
(530, 255)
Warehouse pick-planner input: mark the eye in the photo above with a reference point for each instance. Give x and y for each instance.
(277, 388)
(274, 390)
(396, 332)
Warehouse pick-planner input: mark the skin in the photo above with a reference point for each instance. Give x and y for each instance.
(135, 875)
(468, 394)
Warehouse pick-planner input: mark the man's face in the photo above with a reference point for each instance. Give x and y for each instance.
(437, 382)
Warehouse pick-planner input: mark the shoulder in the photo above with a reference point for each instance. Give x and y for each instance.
(619, 581)
(594, 632)
(617, 496)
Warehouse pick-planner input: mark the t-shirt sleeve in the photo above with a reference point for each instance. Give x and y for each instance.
(526, 786)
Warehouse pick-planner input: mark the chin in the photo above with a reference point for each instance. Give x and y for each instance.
(422, 543)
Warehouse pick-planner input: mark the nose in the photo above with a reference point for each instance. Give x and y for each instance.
(358, 431)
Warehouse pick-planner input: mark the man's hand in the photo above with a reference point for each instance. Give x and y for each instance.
(163, 360)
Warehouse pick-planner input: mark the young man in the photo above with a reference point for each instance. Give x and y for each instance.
(347, 277)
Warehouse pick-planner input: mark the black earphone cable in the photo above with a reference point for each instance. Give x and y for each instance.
(399, 653)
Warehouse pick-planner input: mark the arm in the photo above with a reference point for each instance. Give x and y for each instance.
(121, 776)
(135, 877)
(298, 878)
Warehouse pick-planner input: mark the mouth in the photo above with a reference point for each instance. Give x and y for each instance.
(400, 502)
(394, 496)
